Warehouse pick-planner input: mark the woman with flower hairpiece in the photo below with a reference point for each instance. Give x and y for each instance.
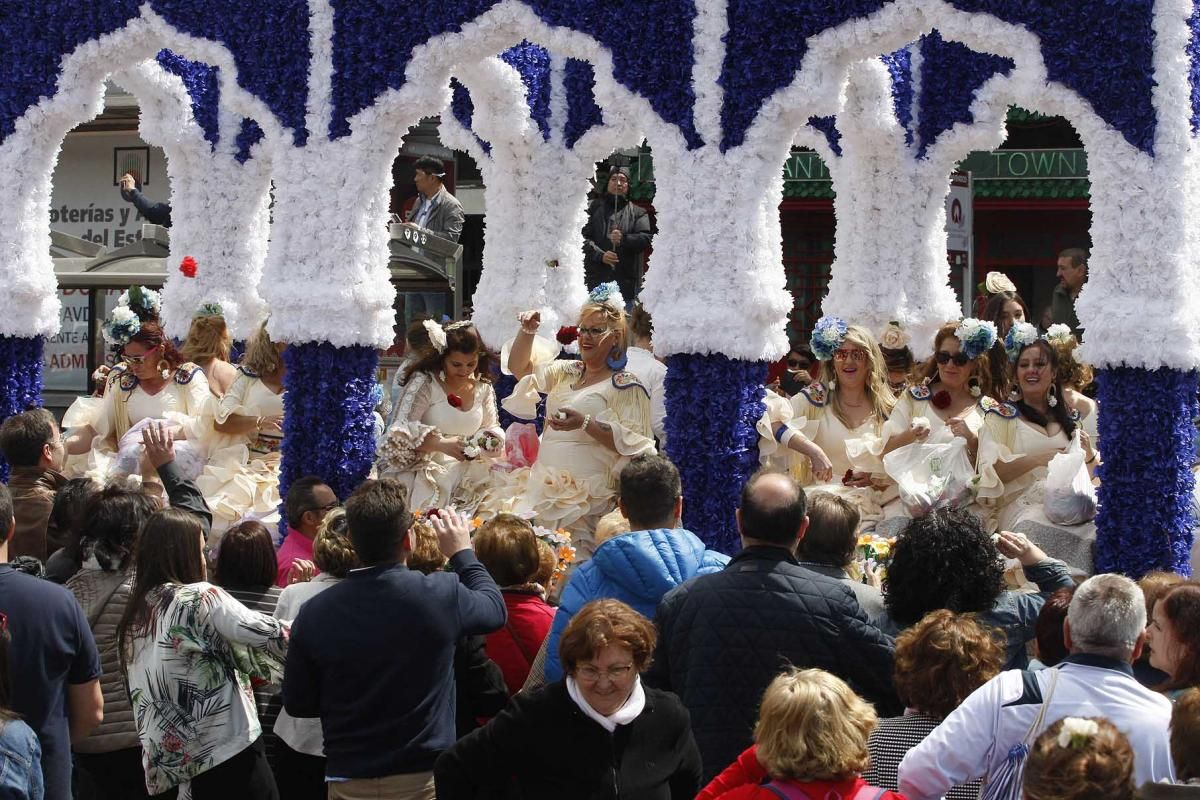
(445, 430)
(1004, 307)
(955, 377)
(1020, 438)
(1080, 758)
(153, 381)
(597, 417)
(242, 477)
(834, 426)
(208, 345)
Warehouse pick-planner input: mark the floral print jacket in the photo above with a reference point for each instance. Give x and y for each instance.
(191, 679)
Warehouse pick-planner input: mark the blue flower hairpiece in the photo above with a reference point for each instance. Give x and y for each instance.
(976, 336)
(1019, 336)
(121, 326)
(608, 294)
(827, 337)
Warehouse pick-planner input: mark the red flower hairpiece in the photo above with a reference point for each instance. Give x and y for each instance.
(567, 335)
(188, 267)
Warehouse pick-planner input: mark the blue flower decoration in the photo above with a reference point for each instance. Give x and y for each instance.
(1019, 336)
(827, 337)
(605, 293)
(976, 336)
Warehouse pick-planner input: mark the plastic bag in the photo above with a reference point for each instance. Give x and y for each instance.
(188, 456)
(933, 474)
(1070, 497)
(521, 444)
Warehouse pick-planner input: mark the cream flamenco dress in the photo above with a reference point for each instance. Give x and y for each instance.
(1017, 504)
(436, 480)
(185, 402)
(849, 449)
(573, 482)
(241, 479)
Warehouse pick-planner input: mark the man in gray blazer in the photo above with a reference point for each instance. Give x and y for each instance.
(437, 212)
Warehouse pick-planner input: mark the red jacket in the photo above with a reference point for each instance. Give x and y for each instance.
(742, 780)
(529, 620)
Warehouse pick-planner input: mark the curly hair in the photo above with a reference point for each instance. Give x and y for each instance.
(426, 557)
(333, 552)
(1101, 767)
(981, 370)
(943, 658)
(616, 319)
(151, 335)
(813, 727)
(1071, 373)
(879, 393)
(942, 560)
(261, 356)
(1060, 412)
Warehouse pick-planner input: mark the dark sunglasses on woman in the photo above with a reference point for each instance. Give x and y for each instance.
(959, 359)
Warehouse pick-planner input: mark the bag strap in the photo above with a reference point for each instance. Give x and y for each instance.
(1036, 727)
(517, 641)
(786, 791)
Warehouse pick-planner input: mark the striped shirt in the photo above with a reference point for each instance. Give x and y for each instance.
(894, 737)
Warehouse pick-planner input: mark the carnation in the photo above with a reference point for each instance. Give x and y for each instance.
(1058, 332)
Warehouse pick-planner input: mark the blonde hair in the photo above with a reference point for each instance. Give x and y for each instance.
(616, 319)
(611, 524)
(333, 552)
(813, 727)
(879, 393)
(426, 556)
(260, 356)
(1071, 373)
(207, 338)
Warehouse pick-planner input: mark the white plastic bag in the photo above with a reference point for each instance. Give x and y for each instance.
(128, 461)
(1070, 496)
(933, 474)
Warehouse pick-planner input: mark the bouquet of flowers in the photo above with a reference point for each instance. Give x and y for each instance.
(481, 442)
(873, 550)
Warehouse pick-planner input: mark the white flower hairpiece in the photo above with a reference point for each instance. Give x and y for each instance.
(1077, 732)
(437, 335)
(1058, 332)
(997, 282)
(1019, 336)
(121, 326)
(976, 336)
(141, 297)
(894, 337)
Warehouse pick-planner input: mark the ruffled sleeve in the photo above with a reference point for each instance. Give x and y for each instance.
(490, 422)
(996, 440)
(547, 371)
(865, 451)
(234, 401)
(398, 449)
(774, 432)
(628, 417)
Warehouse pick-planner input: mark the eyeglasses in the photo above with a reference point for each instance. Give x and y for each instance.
(595, 333)
(857, 356)
(959, 359)
(590, 674)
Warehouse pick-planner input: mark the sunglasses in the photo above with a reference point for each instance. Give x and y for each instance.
(857, 356)
(959, 359)
(797, 365)
(594, 333)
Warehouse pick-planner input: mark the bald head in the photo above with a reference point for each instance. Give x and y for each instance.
(773, 510)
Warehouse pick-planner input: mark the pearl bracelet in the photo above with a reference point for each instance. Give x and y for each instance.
(587, 420)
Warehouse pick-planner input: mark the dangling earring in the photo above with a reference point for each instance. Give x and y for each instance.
(1052, 400)
(616, 360)
(973, 387)
(1014, 394)
(164, 368)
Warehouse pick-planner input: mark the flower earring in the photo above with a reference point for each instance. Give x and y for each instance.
(1014, 394)
(1052, 400)
(164, 368)
(973, 388)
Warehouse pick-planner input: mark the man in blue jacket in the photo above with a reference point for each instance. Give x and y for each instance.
(641, 566)
(373, 656)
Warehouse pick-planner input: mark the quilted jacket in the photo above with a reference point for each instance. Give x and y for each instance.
(637, 568)
(724, 637)
(104, 596)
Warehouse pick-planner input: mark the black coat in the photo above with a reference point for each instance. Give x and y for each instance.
(604, 214)
(543, 747)
(479, 689)
(724, 637)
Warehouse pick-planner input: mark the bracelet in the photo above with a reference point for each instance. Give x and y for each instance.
(1091, 460)
(528, 332)
(587, 420)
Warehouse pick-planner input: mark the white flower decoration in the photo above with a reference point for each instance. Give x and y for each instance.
(437, 335)
(920, 423)
(1077, 732)
(997, 282)
(1058, 332)
(894, 337)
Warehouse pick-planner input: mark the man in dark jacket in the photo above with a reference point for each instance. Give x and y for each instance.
(33, 447)
(724, 637)
(155, 213)
(616, 235)
(373, 656)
